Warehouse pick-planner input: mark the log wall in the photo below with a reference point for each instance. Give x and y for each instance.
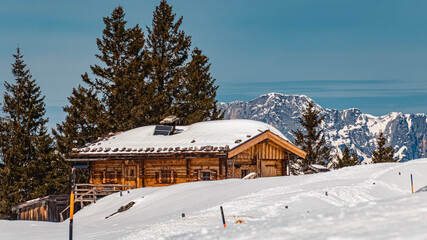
(154, 172)
(265, 158)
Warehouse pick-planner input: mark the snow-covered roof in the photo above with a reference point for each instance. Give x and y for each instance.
(217, 135)
(314, 167)
(318, 166)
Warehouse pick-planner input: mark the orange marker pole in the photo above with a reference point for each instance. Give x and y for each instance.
(412, 184)
(223, 218)
(71, 214)
(73, 180)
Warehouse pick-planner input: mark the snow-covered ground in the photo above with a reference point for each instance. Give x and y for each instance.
(362, 202)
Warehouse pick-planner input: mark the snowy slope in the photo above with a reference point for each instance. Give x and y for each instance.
(363, 202)
(407, 133)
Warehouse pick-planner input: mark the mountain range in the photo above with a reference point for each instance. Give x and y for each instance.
(349, 127)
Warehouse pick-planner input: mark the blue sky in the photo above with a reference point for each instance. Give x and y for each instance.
(367, 54)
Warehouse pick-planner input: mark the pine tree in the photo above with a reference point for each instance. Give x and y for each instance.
(382, 153)
(347, 159)
(196, 99)
(121, 77)
(26, 147)
(84, 121)
(167, 51)
(311, 139)
(117, 98)
(139, 82)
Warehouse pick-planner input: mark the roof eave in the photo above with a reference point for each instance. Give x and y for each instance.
(267, 134)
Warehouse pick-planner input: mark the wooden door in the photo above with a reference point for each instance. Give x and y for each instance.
(268, 168)
(130, 175)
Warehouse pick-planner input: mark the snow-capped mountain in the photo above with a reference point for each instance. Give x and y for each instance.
(405, 132)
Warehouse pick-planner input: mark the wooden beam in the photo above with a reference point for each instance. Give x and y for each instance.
(287, 145)
(261, 137)
(246, 145)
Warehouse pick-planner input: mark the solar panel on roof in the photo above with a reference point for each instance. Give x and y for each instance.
(163, 130)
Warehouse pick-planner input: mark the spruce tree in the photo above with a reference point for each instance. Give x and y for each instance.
(84, 120)
(117, 98)
(382, 153)
(138, 81)
(167, 51)
(311, 139)
(196, 101)
(347, 159)
(26, 147)
(120, 79)
(83, 123)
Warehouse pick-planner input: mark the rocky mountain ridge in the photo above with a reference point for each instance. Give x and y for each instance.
(349, 127)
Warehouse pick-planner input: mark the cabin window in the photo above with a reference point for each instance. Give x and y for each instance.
(206, 176)
(97, 176)
(165, 176)
(244, 172)
(110, 176)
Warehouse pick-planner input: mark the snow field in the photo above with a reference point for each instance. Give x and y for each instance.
(362, 202)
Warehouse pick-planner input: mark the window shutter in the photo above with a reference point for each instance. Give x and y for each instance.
(157, 177)
(175, 176)
(115, 176)
(104, 176)
(172, 177)
(195, 175)
(213, 175)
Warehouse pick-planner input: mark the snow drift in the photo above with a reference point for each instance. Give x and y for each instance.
(361, 202)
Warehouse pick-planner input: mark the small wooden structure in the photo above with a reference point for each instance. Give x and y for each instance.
(43, 209)
(163, 155)
(314, 168)
(55, 208)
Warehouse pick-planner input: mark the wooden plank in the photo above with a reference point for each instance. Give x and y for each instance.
(263, 136)
(138, 185)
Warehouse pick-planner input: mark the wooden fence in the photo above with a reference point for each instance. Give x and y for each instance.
(89, 193)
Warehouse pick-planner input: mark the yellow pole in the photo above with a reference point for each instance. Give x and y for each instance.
(73, 180)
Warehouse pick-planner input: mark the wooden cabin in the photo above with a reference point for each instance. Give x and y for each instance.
(162, 155)
(43, 209)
